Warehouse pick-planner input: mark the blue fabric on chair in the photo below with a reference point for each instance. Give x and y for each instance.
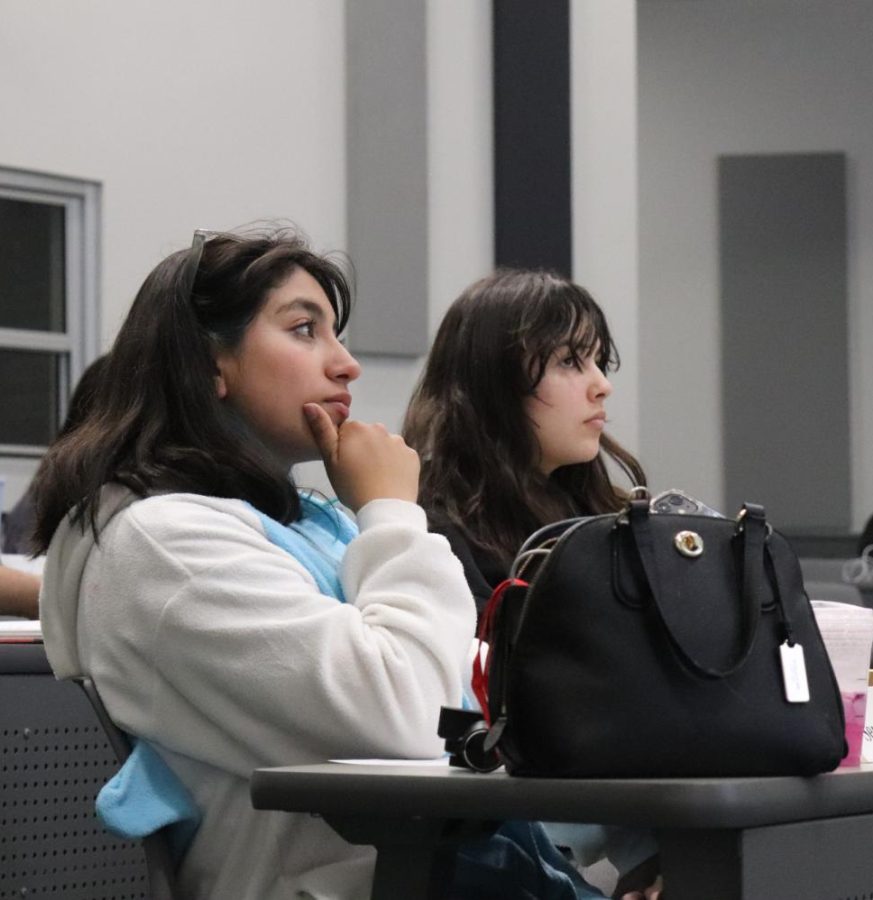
(144, 796)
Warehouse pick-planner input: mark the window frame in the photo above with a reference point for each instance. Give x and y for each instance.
(82, 223)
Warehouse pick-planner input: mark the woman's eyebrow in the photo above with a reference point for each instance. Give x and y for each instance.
(583, 347)
(300, 303)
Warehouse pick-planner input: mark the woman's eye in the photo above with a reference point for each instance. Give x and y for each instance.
(307, 328)
(571, 362)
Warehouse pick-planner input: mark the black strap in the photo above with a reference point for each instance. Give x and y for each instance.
(751, 530)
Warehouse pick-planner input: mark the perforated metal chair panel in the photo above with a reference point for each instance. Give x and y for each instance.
(54, 757)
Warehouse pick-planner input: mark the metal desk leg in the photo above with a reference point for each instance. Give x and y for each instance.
(794, 861)
(809, 860)
(699, 863)
(415, 857)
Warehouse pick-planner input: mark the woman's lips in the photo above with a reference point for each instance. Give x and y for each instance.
(340, 408)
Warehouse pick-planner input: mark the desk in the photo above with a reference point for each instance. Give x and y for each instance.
(720, 839)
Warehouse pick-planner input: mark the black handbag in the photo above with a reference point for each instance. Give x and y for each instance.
(658, 645)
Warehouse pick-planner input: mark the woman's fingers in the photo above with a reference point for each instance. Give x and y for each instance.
(369, 463)
(652, 892)
(364, 462)
(323, 430)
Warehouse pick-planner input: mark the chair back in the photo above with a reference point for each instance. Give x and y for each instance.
(820, 569)
(159, 860)
(55, 758)
(837, 592)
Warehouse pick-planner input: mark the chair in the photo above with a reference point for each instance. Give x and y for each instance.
(159, 860)
(55, 755)
(837, 592)
(820, 569)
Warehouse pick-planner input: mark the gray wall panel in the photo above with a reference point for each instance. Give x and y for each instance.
(784, 336)
(532, 177)
(386, 122)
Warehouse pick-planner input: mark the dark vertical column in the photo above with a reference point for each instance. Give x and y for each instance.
(784, 347)
(386, 141)
(532, 178)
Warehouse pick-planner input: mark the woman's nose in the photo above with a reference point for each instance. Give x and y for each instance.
(344, 366)
(602, 386)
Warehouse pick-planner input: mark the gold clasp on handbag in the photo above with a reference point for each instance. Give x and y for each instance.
(688, 543)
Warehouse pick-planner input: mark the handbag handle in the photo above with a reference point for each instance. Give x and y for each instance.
(751, 527)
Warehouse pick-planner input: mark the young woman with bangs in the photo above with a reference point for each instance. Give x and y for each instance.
(509, 420)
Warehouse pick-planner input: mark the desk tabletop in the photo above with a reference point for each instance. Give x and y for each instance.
(443, 792)
(23, 658)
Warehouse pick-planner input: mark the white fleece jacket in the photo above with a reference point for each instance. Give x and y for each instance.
(217, 647)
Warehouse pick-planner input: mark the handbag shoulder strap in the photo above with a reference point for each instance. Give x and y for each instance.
(751, 530)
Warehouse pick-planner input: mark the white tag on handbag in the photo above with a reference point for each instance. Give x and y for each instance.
(794, 673)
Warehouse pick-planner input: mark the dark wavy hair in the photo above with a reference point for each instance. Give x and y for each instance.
(467, 421)
(155, 422)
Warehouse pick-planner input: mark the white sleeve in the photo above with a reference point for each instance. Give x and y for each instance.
(214, 643)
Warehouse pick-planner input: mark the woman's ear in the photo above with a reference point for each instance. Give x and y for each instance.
(220, 381)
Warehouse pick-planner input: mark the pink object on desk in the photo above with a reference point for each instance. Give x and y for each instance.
(854, 708)
(847, 631)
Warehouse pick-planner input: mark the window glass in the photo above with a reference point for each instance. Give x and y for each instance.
(49, 301)
(32, 265)
(30, 381)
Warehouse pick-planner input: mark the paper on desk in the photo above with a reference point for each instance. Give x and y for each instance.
(23, 563)
(441, 761)
(23, 630)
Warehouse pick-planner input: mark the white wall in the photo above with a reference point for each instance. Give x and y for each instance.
(604, 162)
(208, 113)
(460, 193)
(461, 149)
(191, 113)
(460, 196)
(740, 76)
(211, 113)
(197, 113)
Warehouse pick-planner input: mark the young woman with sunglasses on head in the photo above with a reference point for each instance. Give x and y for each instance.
(508, 418)
(227, 619)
